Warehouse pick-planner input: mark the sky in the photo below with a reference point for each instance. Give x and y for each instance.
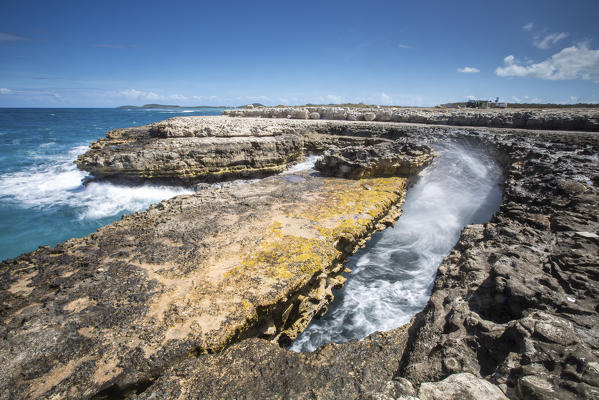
(110, 53)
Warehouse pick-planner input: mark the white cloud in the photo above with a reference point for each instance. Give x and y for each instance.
(571, 63)
(549, 40)
(138, 94)
(177, 96)
(468, 70)
(9, 37)
(528, 27)
(5, 91)
(404, 46)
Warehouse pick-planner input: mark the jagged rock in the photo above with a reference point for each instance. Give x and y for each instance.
(514, 305)
(192, 149)
(462, 386)
(369, 116)
(383, 159)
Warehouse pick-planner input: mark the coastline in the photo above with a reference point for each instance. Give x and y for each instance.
(513, 258)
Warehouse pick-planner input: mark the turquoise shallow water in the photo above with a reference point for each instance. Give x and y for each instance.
(42, 200)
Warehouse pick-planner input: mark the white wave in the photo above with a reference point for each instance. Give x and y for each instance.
(308, 163)
(393, 276)
(58, 183)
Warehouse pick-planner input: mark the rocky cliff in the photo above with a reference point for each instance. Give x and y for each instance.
(569, 119)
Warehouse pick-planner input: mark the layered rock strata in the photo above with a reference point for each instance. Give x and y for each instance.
(582, 119)
(104, 314)
(383, 159)
(513, 313)
(196, 149)
(193, 149)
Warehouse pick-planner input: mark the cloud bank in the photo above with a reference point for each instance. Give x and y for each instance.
(575, 62)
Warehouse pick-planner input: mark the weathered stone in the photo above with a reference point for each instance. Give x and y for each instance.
(193, 149)
(369, 116)
(383, 159)
(462, 386)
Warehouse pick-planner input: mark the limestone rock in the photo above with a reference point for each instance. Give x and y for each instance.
(464, 386)
(188, 149)
(369, 116)
(132, 307)
(383, 159)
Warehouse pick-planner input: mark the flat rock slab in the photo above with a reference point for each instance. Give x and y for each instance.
(190, 275)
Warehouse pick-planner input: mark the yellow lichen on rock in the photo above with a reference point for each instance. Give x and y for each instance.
(345, 210)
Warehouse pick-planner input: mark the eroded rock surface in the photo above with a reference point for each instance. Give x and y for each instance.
(110, 311)
(383, 159)
(192, 149)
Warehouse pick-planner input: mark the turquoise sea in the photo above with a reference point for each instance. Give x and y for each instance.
(42, 199)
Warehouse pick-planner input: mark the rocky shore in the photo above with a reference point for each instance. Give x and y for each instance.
(570, 119)
(194, 297)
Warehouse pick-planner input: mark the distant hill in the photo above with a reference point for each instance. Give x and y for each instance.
(162, 106)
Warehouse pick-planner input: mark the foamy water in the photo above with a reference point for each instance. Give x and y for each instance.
(392, 277)
(308, 163)
(58, 183)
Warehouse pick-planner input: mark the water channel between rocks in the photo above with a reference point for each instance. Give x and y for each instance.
(392, 277)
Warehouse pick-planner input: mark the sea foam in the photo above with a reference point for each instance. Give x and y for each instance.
(58, 183)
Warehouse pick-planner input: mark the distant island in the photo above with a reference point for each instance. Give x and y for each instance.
(171, 106)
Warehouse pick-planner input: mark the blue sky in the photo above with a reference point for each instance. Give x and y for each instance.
(103, 54)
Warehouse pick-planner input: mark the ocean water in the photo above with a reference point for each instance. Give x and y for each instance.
(42, 199)
(392, 277)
